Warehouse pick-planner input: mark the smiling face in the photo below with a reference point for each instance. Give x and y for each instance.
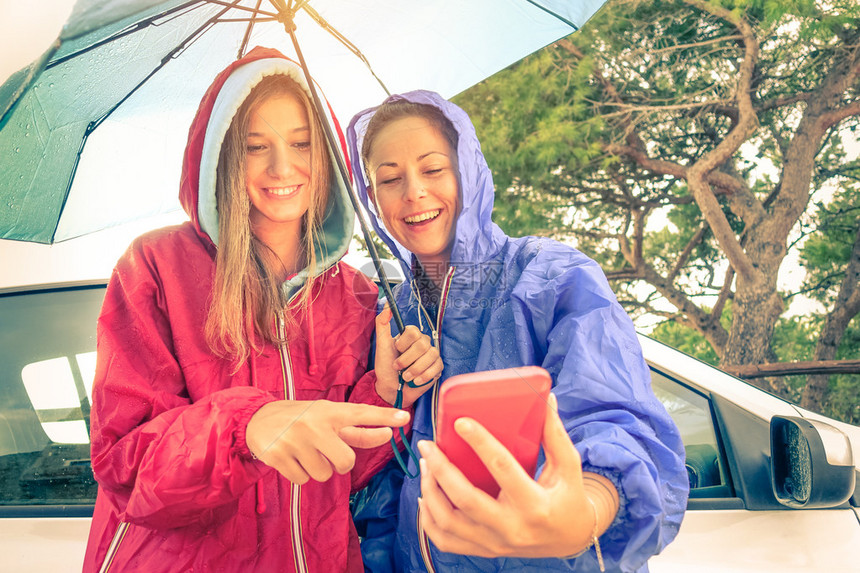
(277, 165)
(414, 184)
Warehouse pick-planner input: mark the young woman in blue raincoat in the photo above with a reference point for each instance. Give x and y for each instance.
(611, 487)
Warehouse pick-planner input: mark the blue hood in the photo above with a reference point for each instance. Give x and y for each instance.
(478, 239)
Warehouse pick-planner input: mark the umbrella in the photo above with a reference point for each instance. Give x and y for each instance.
(91, 134)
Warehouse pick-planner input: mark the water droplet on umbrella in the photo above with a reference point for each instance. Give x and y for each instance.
(17, 150)
(50, 85)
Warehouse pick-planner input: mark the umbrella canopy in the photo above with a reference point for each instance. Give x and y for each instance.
(92, 133)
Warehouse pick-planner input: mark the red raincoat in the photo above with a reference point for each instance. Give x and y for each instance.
(178, 487)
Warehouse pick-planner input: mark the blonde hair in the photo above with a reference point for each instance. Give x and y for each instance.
(247, 293)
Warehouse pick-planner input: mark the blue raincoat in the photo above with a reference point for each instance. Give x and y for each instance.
(531, 301)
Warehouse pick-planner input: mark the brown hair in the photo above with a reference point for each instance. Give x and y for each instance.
(395, 109)
(247, 294)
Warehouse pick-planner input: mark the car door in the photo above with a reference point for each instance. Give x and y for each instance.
(733, 520)
(47, 363)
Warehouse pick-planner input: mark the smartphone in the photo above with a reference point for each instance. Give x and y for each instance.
(510, 403)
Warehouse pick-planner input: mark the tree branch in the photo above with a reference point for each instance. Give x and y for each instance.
(713, 332)
(781, 101)
(676, 47)
(623, 275)
(790, 368)
(639, 216)
(629, 107)
(747, 123)
(718, 179)
(831, 118)
(688, 250)
(725, 293)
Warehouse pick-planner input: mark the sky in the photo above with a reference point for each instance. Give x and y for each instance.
(26, 33)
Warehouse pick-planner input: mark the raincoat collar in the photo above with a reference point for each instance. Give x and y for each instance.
(217, 109)
(477, 238)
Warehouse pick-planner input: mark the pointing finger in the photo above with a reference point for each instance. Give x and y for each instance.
(347, 414)
(365, 437)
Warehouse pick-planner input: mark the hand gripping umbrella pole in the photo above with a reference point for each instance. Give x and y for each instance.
(290, 27)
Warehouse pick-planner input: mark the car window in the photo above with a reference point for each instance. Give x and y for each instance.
(47, 364)
(691, 411)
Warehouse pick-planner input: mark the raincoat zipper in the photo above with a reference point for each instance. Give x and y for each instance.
(424, 541)
(295, 489)
(119, 534)
(299, 557)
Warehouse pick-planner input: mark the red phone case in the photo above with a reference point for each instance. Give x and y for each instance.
(509, 403)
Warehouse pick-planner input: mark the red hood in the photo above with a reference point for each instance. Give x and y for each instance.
(189, 186)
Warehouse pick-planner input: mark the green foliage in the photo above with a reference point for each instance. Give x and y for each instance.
(794, 338)
(842, 402)
(534, 125)
(826, 251)
(690, 340)
(381, 248)
(565, 131)
(686, 340)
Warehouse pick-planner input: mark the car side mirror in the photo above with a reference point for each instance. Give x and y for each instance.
(812, 465)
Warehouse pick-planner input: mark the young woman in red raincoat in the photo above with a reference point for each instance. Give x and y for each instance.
(232, 385)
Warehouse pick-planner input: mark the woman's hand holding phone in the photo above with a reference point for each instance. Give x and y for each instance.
(548, 517)
(412, 353)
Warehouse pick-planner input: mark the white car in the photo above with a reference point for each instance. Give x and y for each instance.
(773, 487)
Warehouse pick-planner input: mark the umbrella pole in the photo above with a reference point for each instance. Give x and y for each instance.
(371, 247)
(344, 174)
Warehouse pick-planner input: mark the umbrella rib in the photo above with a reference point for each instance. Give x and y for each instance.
(251, 19)
(247, 36)
(554, 14)
(151, 21)
(316, 17)
(126, 31)
(255, 11)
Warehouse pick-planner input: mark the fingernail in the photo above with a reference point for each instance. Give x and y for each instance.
(422, 464)
(553, 401)
(464, 426)
(424, 447)
(401, 416)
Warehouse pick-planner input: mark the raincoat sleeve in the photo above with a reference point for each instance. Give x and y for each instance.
(164, 460)
(583, 337)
